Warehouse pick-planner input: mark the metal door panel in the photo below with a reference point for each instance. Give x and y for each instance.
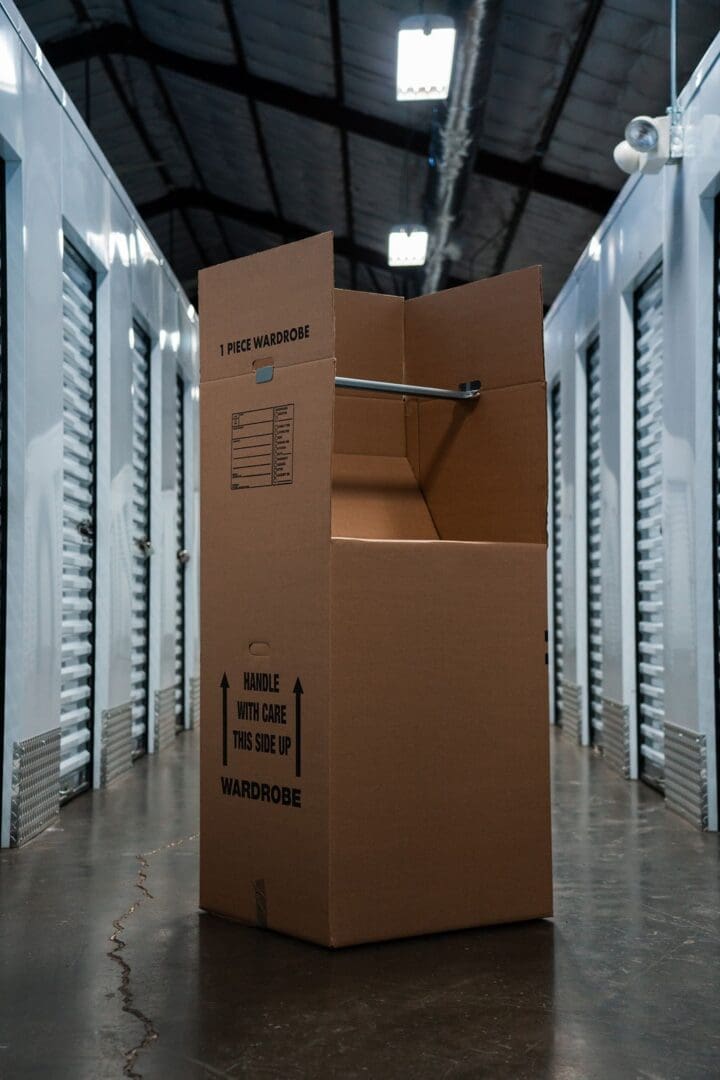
(78, 575)
(181, 554)
(556, 526)
(141, 552)
(648, 317)
(594, 507)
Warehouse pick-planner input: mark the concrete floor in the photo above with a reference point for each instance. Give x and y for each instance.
(109, 970)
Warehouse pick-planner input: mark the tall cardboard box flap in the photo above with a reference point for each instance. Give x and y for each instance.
(266, 466)
(489, 330)
(482, 467)
(275, 307)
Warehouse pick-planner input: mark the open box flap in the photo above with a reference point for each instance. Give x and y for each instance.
(275, 307)
(369, 330)
(482, 465)
(489, 330)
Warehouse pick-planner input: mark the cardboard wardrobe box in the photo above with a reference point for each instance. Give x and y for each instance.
(374, 737)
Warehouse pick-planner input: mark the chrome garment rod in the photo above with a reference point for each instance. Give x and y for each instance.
(467, 391)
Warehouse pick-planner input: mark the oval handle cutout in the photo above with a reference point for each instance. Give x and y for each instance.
(259, 648)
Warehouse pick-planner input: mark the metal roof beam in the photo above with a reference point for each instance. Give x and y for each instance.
(243, 73)
(174, 119)
(121, 40)
(184, 199)
(344, 148)
(587, 25)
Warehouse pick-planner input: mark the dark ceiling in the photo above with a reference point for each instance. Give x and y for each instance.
(237, 124)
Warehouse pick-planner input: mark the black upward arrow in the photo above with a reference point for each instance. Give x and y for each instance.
(297, 691)
(224, 684)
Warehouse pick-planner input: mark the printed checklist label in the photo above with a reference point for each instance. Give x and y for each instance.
(262, 447)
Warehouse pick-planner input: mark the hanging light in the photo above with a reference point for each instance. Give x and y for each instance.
(426, 45)
(407, 245)
(642, 134)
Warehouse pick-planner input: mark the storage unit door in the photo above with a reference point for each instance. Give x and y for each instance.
(182, 555)
(594, 582)
(78, 500)
(3, 468)
(716, 493)
(556, 526)
(141, 547)
(648, 526)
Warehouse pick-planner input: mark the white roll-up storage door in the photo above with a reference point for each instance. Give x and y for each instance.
(141, 546)
(648, 316)
(556, 527)
(181, 553)
(78, 500)
(594, 581)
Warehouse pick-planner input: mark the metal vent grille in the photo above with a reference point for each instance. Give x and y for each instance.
(686, 774)
(164, 718)
(616, 736)
(117, 742)
(572, 711)
(35, 795)
(594, 578)
(78, 573)
(181, 554)
(140, 632)
(648, 526)
(556, 530)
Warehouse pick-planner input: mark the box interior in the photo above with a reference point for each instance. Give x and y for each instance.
(424, 469)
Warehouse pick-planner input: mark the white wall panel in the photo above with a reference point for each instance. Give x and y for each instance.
(58, 179)
(668, 217)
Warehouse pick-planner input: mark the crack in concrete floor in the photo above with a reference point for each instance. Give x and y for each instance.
(150, 1032)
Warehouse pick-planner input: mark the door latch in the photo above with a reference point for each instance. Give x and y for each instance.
(145, 546)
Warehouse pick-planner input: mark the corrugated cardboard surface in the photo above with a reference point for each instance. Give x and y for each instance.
(489, 330)
(406, 673)
(265, 587)
(369, 332)
(378, 498)
(239, 304)
(440, 813)
(482, 466)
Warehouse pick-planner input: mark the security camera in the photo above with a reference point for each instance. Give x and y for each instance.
(650, 142)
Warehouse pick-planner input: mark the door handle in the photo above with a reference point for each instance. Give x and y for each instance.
(183, 556)
(145, 546)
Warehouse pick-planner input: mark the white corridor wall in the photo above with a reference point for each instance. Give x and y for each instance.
(58, 184)
(669, 218)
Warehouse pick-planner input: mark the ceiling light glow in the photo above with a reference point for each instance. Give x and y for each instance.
(426, 46)
(407, 245)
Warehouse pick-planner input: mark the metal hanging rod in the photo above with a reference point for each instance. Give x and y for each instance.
(467, 391)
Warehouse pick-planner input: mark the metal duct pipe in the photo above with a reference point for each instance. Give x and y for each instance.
(458, 137)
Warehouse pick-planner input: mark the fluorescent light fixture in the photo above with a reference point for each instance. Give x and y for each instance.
(426, 45)
(407, 245)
